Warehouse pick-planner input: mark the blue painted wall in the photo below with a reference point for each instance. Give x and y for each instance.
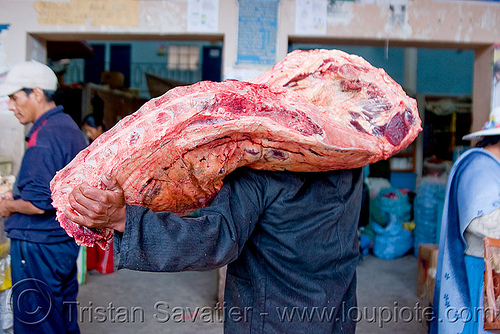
(445, 72)
(439, 71)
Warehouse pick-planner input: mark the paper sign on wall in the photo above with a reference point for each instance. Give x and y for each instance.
(203, 16)
(257, 32)
(310, 17)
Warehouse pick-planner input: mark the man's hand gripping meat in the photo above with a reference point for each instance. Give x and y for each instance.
(98, 209)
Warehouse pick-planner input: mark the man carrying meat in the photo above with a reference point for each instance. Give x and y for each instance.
(43, 256)
(289, 240)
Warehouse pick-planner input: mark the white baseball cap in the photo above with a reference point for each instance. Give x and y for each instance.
(30, 74)
(491, 128)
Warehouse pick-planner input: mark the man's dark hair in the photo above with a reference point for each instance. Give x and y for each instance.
(488, 140)
(91, 121)
(49, 94)
(94, 121)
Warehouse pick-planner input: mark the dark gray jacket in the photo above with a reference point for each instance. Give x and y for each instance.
(289, 239)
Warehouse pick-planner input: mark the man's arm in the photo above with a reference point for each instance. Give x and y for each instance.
(10, 206)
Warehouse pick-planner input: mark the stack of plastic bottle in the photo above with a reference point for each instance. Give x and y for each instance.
(428, 210)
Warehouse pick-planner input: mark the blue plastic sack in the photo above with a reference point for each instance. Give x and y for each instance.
(390, 201)
(428, 208)
(392, 241)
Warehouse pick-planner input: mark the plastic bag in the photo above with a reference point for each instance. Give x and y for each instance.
(6, 315)
(392, 241)
(5, 278)
(390, 201)
(375, 184)
(428, 208)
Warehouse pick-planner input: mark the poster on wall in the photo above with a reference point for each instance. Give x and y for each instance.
(310, 17)
(495, 85)
(257, 32)
(203, 16)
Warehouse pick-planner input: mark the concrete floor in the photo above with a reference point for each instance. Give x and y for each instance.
(137, 302)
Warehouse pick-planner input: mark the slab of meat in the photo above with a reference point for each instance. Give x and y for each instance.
(354, 94)
(173, 153)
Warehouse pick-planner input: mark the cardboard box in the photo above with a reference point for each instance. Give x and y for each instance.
(426, 271)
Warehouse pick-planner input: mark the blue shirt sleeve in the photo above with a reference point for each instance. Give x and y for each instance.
(35, 175)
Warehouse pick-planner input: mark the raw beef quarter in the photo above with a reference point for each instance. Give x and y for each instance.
(173, 153)
(352, 92)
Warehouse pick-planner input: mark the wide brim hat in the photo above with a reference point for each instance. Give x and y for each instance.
(30, 74)
(491, 128)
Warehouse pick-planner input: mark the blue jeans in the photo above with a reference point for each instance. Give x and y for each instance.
(44, 287)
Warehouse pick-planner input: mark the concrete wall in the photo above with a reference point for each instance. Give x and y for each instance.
(418, 23)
